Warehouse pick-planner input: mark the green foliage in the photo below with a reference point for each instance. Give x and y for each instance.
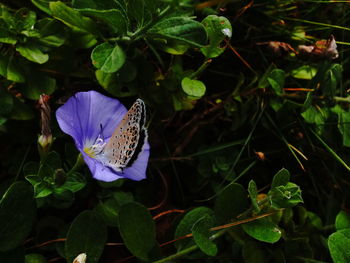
(137, 229)
(235, 91)
(87, 234)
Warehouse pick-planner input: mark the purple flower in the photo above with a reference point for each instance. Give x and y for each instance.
(90, 118)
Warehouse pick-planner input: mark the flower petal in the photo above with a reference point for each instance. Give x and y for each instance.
(83, 115)
(137, 171)
(101, 172)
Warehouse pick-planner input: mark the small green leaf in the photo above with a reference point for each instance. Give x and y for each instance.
(201, 234)
(37, 83)
(6, 102)
(304, 72)
(72, 17)
(276, 79)
(180, 28)
(186, 224)
(281, 178)
(87, 234)
(263, 230)
(35, 258)
(218, 28)
(113, 18)
(284, 196)
(10, 69)
(108, 58)
(316, 115)
(43, 5)
(192, 87)
(339, 243)
(137, 229)
(32, 53)
(52, 32)
(230, 202)
(253, 194)
(109, 211)
(342, 221)
(17, 214)
(74, 182)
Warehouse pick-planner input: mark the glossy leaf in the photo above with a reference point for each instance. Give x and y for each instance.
(88, 234)
(230, 202)
(193, 88)
(218, 28)
(71, 17)
(253, 194)
(10, 69)
(263, 230)
(281, 178)
(137, 229)
(285, 196)
(201, 234)
(342, 221)
(276, 79)
(187, 222)
(108, 58)
(17, 214)
(180, 28)
(338, 244)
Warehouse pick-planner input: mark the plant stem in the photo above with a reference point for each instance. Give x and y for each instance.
(78, 163)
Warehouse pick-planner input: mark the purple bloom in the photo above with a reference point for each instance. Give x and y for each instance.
(91, 118)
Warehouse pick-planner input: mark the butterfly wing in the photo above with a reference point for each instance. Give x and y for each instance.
(127, 139)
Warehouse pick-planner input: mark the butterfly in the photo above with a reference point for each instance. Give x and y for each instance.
(127, 140)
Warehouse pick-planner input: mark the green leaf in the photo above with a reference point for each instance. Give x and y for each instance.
(201, 235)
(276, 79)
(253, 194)
(263, 230)
(10, 69)
(218, 28)
(87, 234)
(342, 221)
(24, 19)
(137, 229)
(109, 211)
(32, 53)
(74, 182)
(186, 224)
(6, 102)
(281, 178)
(17, 214)
(52, 32)
(35, 258)
(193, 88)
(43, 5)
(108, 58)
(344, 125)
(72, 18)
(6, 36)
(180, 28)
(339, 243)
(113, 18)
(304, 72)
(37, 83)
(141, 11)
(284, 196)
(231, 201)
(316, 115)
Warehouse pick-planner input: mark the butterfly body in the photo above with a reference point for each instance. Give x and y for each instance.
(127, 139)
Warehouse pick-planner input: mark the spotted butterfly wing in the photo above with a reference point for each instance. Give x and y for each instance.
(127, 139)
